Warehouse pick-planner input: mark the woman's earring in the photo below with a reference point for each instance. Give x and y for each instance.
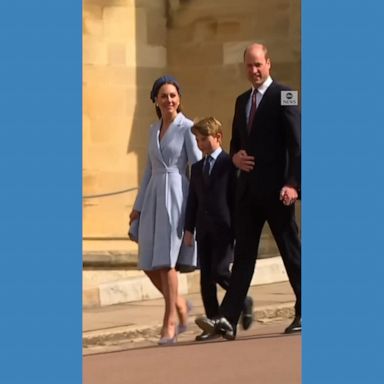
(157, 105)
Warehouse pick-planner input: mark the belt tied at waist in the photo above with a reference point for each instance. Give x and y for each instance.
(165, 171)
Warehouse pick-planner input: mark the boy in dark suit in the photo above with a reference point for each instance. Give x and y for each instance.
(209, 211)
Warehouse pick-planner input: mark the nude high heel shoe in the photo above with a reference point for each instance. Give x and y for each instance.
(167, 341)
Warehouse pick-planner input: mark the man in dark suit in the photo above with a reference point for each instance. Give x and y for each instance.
(266, 148)
(209, 211)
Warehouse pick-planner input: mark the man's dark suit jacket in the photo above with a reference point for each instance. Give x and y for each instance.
(210, 205)
(274, 141)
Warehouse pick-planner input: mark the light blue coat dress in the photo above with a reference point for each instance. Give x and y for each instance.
(163, 196)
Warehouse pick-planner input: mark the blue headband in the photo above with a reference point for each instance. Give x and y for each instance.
(167, 79)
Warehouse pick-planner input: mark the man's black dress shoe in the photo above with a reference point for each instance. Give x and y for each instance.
(220, 326)
(225, 328)
(295, 326)
(205, 336)
(247, 314)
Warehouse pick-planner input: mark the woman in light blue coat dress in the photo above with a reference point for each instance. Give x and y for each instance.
(161, 202)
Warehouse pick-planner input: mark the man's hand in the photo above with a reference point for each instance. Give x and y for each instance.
(288, 195)
(243, 161)
(188, 238)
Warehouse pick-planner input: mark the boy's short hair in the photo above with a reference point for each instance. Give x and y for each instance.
(208, 126)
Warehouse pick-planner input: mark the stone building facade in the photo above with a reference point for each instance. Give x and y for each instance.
(129, 43)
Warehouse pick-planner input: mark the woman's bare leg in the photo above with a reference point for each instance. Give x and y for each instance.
(169, 285)
(181, 303)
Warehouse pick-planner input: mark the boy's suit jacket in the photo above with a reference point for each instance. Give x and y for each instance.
(274, 140)
(210, 205)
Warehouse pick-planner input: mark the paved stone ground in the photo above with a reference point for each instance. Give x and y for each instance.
(135, 324)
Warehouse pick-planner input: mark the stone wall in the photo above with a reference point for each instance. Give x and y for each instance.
(127, 44)
(124, 49)
(206, 40)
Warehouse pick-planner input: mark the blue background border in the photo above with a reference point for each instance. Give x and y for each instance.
(342, 211)
(41, 212)
(40, 221)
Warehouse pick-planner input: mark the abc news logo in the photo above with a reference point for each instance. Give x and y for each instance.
(289, 98)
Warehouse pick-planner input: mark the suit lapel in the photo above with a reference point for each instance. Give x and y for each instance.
(200, 165)
(216, 165)
(264, 100)
(247, 95)
(262, 105)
